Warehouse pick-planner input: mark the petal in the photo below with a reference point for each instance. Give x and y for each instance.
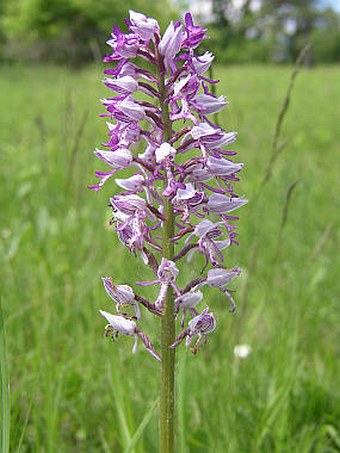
(164, 151)
(190, 300)
(221, 203)
(219, 278)
(120, 324)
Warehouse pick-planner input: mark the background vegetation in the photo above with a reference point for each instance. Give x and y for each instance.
(68, 31)
(275, 31)
(73, 390)
(75, 31)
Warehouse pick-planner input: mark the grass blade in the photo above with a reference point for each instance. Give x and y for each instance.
(23, 431)
(273, 410)
(284, 218)
(276, 147)
(117, 392)
(139, 431)
(181, 403)
(5, 393)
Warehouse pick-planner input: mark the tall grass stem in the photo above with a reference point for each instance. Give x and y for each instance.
(5, 391)
(277, 148)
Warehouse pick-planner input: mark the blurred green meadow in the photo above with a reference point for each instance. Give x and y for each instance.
(71, 389)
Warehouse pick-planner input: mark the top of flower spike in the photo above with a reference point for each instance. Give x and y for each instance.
(145, 29)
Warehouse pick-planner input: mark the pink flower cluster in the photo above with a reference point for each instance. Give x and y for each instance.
(191, 167)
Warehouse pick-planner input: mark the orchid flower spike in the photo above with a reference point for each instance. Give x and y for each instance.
(174, 198)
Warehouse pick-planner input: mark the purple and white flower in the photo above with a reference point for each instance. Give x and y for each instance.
(170, 43)
(187, 302)
(200, 326)
(167, 274)
(143, 26)
(202, 63)
(121, 295)
(118, 324)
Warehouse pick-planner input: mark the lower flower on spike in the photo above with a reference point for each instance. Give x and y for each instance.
(118, 324)
(200, 326)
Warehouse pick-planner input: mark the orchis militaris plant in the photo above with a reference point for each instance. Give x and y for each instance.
(178, 198)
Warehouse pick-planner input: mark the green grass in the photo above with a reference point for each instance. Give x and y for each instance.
(73, 390)
(5, 390)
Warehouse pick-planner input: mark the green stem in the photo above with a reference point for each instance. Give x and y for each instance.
(167, 377)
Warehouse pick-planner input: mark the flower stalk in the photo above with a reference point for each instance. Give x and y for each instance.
(168, 331)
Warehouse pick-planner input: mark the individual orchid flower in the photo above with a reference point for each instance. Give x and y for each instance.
(222, 166)
(202, 63)
(133, 184)
(200, 326)
(208, 103)
(118, 324)
(143, 26)
(170, 43)
(121, 295)
(119, 159)
(123, 85)
(188, 302)
(220, 278)
(123, 45)
(207, 232)
(167, 274)
(193, 34)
